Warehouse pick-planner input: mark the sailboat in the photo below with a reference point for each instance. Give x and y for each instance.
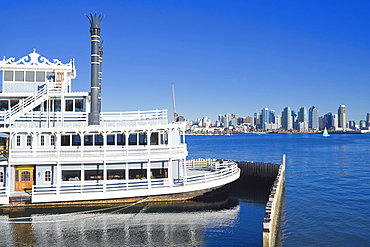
(325, 133)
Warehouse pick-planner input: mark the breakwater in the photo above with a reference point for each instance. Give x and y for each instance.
(264, 173)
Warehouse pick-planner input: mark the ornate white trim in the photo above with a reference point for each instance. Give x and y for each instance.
(33, 59)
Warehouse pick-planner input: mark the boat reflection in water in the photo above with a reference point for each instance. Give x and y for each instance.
(144, 224)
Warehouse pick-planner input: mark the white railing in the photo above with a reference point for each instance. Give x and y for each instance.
(100, 186)
(97, 152)
(227, 170)
(26, 104)
(133, 116)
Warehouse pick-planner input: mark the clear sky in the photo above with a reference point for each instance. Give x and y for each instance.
(223, 56)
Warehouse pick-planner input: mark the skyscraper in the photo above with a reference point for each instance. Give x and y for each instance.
(302, 115)
(265, 114)
(313, 118)
(368, 119)
(342, 117)
(286, 118)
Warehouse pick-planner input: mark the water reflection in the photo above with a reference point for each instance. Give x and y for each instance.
(170, 224)
(189, 223)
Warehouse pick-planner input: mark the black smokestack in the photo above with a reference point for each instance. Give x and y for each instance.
(94, 116)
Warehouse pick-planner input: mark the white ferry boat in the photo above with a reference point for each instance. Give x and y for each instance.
(57, 145)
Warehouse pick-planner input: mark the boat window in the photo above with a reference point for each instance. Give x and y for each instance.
(8, 75)
(164, 138)
(13, 102)
(159, 173)
(79, 105)
(26, 176)
(52, 140)
(111, 140)
(18, 141)
(121, 139)
(69, 175)
(93, 174)
(116, 174)
(19, 75)
(4, 105)
(88, 140)
(69, 105)
(50, 76)
(40, 76)
(98, 140)
(28, 140)
(154, 138)
(132, 140)
(142, 139)
(57, 105)
(137, 173)
(65, 140)
(46, 105)
(1, 177)
(42, 140)
(76, 140)
(30, 76)
(47, 176)
(60, 76)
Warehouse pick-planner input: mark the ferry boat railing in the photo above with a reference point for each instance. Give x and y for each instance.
(132, 116)
(100, 186)
(228, 168)
(97, 151)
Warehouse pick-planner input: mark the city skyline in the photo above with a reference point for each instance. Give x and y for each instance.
(222, 56)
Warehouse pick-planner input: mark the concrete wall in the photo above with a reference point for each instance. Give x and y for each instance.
(273, 208)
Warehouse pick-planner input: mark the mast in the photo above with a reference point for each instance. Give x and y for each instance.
(94, 115)
(175, 115)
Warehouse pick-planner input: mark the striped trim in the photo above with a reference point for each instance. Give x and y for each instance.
(94, 55)
(94, 63)
(100, 78)
(95, 40)
(100, 72)
(95, 36)
(94, 87)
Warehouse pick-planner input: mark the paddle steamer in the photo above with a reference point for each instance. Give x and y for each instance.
(58, 146)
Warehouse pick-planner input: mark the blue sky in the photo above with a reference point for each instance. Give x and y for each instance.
(223, 56)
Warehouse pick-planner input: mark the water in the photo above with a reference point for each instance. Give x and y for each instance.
(326, 202)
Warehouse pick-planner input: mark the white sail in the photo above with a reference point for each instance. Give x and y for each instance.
(325, 133)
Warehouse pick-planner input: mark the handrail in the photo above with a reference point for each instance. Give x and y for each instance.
(26, 103)
(101, 185)
(133, 116)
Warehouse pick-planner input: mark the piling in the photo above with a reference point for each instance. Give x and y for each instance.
(273, 208)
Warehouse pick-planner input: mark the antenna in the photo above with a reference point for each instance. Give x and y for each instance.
(175, 115)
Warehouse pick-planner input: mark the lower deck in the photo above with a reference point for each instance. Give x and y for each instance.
(198, 175)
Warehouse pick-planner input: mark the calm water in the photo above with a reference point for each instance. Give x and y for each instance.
(327, 202)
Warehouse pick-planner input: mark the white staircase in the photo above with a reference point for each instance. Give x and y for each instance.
(26, 105)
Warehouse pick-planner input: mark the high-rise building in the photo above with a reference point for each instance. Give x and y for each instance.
(302, 115)
(265, 114)
(286, 118)
(257, 120)
(313, 118)
(368, 119)
(342, 117)
(329, 121)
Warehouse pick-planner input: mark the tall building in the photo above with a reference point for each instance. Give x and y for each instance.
(265, 115)
(286, 118)
(257, 120)
(342, 117)
(329, 121)
(302, 115)
(313, 118)
(368, 119)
